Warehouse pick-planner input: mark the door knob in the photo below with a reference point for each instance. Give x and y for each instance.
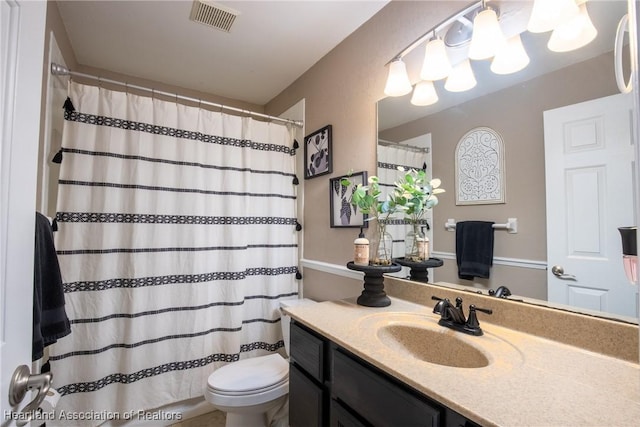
(21, 382)
(558, 271)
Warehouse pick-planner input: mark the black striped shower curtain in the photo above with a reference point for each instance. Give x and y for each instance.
(176, 239)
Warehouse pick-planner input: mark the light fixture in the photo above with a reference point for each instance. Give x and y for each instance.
(436, 63)
(461, 78)
(569, 20)
(487, 36)
(424, 94)
(511, 58)
(573, 33)
(546, 15)
(398, 83)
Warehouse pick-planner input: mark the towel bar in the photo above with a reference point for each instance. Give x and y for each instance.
(511, 225)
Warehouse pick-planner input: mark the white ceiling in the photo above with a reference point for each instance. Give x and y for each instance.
(270, 45)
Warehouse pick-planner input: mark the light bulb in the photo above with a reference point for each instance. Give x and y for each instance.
(398, 83)
(424, 94)
(546, 15)
(487, 36)
(436, 63)
(461, 78)
(574, 33)
(511, 58)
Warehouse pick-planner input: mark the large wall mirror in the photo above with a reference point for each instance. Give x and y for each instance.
(568, 208)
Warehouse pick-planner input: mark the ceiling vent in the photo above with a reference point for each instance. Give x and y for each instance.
(213, 15)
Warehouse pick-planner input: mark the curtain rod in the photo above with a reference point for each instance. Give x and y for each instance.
(59, 70)
(402, 146)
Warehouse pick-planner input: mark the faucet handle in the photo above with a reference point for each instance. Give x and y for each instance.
(472, 324)
(484, 310)
(439, 306)
(459, 307)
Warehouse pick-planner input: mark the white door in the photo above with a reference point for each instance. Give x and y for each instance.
(589, 183)
(21, 61)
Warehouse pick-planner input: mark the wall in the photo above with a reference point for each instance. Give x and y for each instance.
(342, 90)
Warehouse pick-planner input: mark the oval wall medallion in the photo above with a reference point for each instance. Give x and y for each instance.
(480, 168)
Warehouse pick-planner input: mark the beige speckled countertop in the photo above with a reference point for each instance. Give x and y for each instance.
(530, 381)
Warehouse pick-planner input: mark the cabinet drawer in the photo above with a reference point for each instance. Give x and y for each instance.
(377, 399)
(307, 351)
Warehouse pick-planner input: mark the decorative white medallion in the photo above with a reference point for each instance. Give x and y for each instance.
(480, 168)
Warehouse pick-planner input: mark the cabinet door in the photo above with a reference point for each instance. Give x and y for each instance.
(341, 417)
(307, 351)
(376, 398)
(305, 400)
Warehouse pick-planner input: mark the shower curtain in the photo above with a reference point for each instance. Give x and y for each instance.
(176, 239)
(390, 157)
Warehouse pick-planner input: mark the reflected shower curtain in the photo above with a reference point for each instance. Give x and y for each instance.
(390, 157)
(177, 239)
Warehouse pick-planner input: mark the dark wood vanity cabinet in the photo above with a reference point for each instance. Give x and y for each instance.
(308, 378)
(329, 386)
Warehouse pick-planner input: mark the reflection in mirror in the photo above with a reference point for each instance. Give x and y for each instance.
(568, 208)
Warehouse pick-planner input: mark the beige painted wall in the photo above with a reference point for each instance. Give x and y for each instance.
(342, 90)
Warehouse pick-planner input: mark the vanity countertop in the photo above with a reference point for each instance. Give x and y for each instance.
(531, 381)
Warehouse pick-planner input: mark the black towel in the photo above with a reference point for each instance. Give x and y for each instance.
(474, 249)
(50, 320)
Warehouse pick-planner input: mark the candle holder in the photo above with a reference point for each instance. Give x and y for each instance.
(419, 271)
(373, 294)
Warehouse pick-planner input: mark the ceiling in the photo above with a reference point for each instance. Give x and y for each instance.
(270, 44)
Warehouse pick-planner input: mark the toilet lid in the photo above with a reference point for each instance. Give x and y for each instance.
(250, 374)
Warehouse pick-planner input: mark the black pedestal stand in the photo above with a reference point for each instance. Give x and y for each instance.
(373, 294)
(419, 271)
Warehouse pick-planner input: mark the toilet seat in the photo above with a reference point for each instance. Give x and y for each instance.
(249, 382)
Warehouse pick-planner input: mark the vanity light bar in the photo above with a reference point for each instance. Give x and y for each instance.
(450, 20)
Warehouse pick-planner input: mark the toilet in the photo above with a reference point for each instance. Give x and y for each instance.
(253, 390)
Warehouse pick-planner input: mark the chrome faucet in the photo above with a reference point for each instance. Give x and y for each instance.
(453, 316)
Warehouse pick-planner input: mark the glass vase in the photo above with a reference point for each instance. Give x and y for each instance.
(414, 243)
(380, 245)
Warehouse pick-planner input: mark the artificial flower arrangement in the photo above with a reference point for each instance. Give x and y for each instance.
(412, 195)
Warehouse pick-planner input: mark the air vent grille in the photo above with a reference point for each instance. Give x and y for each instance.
(213, 15)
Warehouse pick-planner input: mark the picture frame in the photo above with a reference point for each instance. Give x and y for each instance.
(318, 153)
(341, 213)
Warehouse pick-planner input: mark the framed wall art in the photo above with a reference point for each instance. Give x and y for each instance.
(480, 168)
(318, 155)
(342, 213)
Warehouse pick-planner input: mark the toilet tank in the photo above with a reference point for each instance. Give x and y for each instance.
(285, 321)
